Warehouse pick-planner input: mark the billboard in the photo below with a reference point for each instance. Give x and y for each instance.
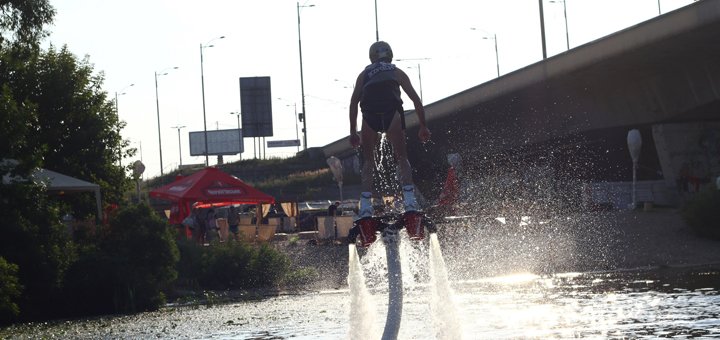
(256, 106)
(220, 142)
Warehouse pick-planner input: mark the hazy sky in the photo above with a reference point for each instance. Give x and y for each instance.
(130, 40)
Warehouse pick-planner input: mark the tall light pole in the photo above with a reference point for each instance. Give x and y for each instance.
(117, 114)
(178, 127)
(297, 134)
(303, 114)
(117, 110)
(420, 81)
(567, 34)
(542, 29)
(377, 32)
(239, 134)
(419, 72)
(202, 85)
(497, 58)
(494, 38)
(157, 105)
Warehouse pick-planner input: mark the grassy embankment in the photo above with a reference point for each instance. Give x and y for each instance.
(291, 179)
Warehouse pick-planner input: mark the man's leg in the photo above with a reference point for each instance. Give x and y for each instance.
(396, 136)
(368, 138)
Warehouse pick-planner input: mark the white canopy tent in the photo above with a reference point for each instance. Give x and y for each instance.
(56, 181)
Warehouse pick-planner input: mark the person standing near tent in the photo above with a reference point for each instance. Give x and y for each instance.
(211, 225)
(200, 226)
(333, 209)
(233, 222)
(377, 91)
(189, 223)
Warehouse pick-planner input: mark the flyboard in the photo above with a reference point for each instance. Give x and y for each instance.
(388, 226)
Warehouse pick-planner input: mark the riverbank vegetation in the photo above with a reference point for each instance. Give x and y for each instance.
(55, 115)
(701, 212)
(130, 265)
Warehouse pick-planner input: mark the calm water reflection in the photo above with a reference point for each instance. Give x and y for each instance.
(639, 304)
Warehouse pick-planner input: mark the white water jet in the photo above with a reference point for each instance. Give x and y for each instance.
(395, 286)
(442, 306)
(362, 306)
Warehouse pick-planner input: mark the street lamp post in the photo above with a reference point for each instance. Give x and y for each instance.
(297, 134)
(377, 32)
(179, 143)
(302, 84)
(240, 148)
(567, 34)
(117, 114)
(157, 105)
(420, 81)
(497, 58)
(202, 85)
(117, 110)
(542, 29)
(419, 72)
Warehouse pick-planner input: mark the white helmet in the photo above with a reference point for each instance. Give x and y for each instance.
(380, 51)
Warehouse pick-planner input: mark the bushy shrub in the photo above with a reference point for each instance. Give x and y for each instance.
(34, 240)
(129, 267)
(301, 277)
(230, 265)
(227, 266)
(269, 266)
(10, 290)
(702, 213)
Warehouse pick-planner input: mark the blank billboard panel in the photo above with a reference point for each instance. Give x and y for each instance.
(220, 142)
(256, 106)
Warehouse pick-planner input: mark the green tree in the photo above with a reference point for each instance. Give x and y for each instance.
(76, 128)
(22, 21)
(10, 289)
(52, 114)
(34, 239)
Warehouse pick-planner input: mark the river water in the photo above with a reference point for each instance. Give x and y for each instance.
(630, 304)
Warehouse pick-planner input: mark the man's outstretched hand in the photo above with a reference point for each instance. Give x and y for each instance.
(355, 140)
(424, 134)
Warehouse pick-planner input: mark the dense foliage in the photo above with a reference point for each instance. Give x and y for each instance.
(231, 265)
(54, 114)
(34, 239)
(63, 115)
(10, 290)
(22, 21)
(128, 266)
(702, 213)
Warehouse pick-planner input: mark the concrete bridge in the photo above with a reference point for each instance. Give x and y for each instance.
(572, 111)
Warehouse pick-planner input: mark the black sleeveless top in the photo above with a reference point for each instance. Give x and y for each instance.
(381, 90)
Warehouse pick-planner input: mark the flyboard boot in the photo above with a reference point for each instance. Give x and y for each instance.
(413, 220)
(367, 225)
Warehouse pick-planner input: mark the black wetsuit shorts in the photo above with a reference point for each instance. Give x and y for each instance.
(380, 122)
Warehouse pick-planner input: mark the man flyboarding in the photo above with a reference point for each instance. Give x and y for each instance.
(377, 91)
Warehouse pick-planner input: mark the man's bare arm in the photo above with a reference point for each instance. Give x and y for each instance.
(423, 132)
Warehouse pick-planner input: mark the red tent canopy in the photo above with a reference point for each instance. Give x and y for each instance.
(208, 186)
